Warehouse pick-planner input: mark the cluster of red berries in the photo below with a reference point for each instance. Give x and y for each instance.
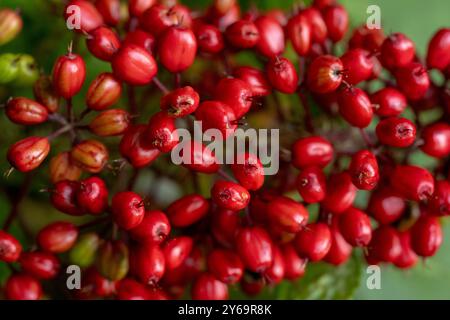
(251, 231)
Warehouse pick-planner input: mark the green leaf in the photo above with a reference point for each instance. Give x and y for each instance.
(323, 281)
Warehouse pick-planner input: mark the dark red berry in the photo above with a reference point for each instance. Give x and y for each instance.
(92, 196)
(147, 262)
(413, 80)
(22, 287)
(217, 115)
(230, 195)
(110, 11)
(340, 250)
(187, 210)
(413, 182)
(358, 65)
(325, 74)
(439, 203)
(287, 214)
(28, 154)
(127, 209)
(426, 236)
(142, 39)
(200, 158)
(294, 265)
(336, 20)
(89, 16)
(355, 227)
(134, 65)
(137, 7)
(42, 265)
(397, 51)
(225, 265)
(355, 107)
(298, 31)
(385, 245)
(271, 37)
(209, 38)
(58, 237)
(158, 18)
(153, 229)
(254, 246)
(249, 171)
(319, 30)
(161, 132)
(436, 140)
(312, 151)
(242, 34)
(236, 93)
(64, 197)
(25, 111)
(177, 48)
(10, 248)
(134, 150)
(364, 170)
(103, 42)
(386, 205)
(389, 102)
(224, 226)
(438, 56)
(255, 78)
(407, 258)
(275, 274)
(311, 184)
(341, 193)
(176, 251)
(314, 241)
(282, 75)
(208, 287)
(69, 73)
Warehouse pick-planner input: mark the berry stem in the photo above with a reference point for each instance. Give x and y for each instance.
(308, 121)
(160, 85)
(132, 106)
(225, 175)
(366, 138)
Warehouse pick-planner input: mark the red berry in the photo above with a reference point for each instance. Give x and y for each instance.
(389, 102)
(396, 132)
(439, 203)
(10, 248)
(63, 197)
(25, 111)
(217, 115)
(413, 80)
(103, 42)
(180, 102)
(147, 262)
(207, 287)
(249, 171)
(282, 75)
(158, 18)
(94, 285)
(438, 56)
(110, 11)
(319, 30)
(224, 226)
(364, 170)
(341, 193)
(275, 274)
(312, 151)
(235, 93)
(129, 289)
(42, 265)
(255, 78)
(69, 73)
(134, 150)
(340, 250)
(355, 227)
(176, 251)
(58, 237)
(177, 48)
(385, 245)
(230, 195)
(355, 107)
(28, 154)
(89, 16)
(412, 182)
(298, 31)
(92, 196)
(137, 7)
(314, 241)
(103, 92)
(397, 51)
(294, 266)
(22, 287)
(225, 265)
(311, 184)
(187, 210)
(161, 132)
(426, 236)
(154, 228)
(336, 20)
(358, 65)
(271, 37)
(436, 140)
(209, 38)
(386, 205)
(134, 65)
(127, 209)
(287, 214)
(254, 246)
(368, 39)
(407, 258)
(142, 39)
(200, 158)
(242, 34)
(325, 74)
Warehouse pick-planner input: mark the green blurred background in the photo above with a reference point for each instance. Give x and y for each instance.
(45, 37)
